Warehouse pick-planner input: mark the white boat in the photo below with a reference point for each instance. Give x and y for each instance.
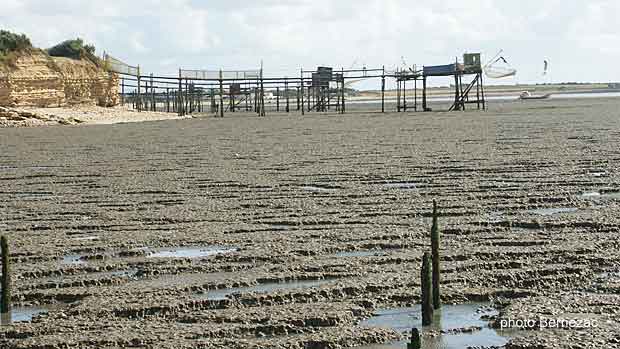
(527, 95)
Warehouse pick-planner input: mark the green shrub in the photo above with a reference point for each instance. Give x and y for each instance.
(75, 49)
(10, 42)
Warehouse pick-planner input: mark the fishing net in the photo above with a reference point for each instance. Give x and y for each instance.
(118, 66)
(498, 72)
(215, 74)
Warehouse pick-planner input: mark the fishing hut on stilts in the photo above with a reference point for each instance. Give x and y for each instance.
(463, 94)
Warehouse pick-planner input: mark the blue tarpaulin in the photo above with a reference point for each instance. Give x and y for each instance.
(448, 69)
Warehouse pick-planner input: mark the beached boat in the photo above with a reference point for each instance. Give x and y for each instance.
(527, 95)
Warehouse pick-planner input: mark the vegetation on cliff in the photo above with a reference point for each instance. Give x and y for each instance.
(10, 45)
(75, 49)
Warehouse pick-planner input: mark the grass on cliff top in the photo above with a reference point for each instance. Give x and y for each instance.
(10, 45)
(75, 49)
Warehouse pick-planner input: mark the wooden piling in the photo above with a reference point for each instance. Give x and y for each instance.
(383, 91)
(404, 95)
(179, 95)
(484, 103)
(138, 97)
(435, 251)
(167, 99)
(415, 93)
(424, 106)
(426, 284)
(415, 342)
(286, 93)
(397, 94)
(221, 94)
(457, 106)
(5, 297)
(262, 91)
(278, 98)
(187, 98)
(302, 95)
(343, 107)
(122, 91)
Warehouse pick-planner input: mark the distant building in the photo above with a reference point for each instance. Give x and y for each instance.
(614, 85)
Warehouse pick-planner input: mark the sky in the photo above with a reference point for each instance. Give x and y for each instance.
(580, 38)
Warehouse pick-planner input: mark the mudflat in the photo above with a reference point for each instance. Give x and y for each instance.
(291, 231)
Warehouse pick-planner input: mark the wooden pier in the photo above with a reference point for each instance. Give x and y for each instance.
(324, 89)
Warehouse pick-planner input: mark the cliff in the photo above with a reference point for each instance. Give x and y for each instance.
(36, 79)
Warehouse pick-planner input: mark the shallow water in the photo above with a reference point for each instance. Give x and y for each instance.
(359, 254)
(317, 189)
(24, 314)
(449, 317)
(195, 252)
(594, 195)
(73, 259)
(263, 288)
(400, 185)
(553, 211)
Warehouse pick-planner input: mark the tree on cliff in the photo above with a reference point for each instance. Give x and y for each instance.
(10, 43)
(76, 49)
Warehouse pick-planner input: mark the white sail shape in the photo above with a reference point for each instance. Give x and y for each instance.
(499, 68)
(494, 72)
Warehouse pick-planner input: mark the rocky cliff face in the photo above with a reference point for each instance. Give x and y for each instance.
(39, 80)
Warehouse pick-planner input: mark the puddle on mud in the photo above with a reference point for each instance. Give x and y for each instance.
(359, 254)
(263, 288)
(165, 252)
(318, 189)
(597, 174)
(280, 227)
(594, 195)
(450, 317)
(553, 211)
(74, 259)
(189, 252)
(611, 276)
(400, 185)
(24, 314)
(86, 238)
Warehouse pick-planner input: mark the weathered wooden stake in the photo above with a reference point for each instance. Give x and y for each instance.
(221, 94)
(435, 250)
(426, 281)
(415, 342)
(5, 307)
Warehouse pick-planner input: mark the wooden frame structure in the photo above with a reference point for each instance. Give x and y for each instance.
(321, 90)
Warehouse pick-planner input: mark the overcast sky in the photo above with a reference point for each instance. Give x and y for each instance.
(580, 38)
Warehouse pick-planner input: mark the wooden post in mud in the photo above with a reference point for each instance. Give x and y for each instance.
(435, 250)
(286, 93)
(122, 91)
(398, 92)
(383, 90)
(278, 98)
(302, 91)
(415, 93)
(5, 307)
(262, 91)
(139, 99)
(180, 95)
(424, 106)
(415, 342)
(343, 108)
(405, 95)
(153, 104)
(221, 94)
(167, 99)
(426, 282)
